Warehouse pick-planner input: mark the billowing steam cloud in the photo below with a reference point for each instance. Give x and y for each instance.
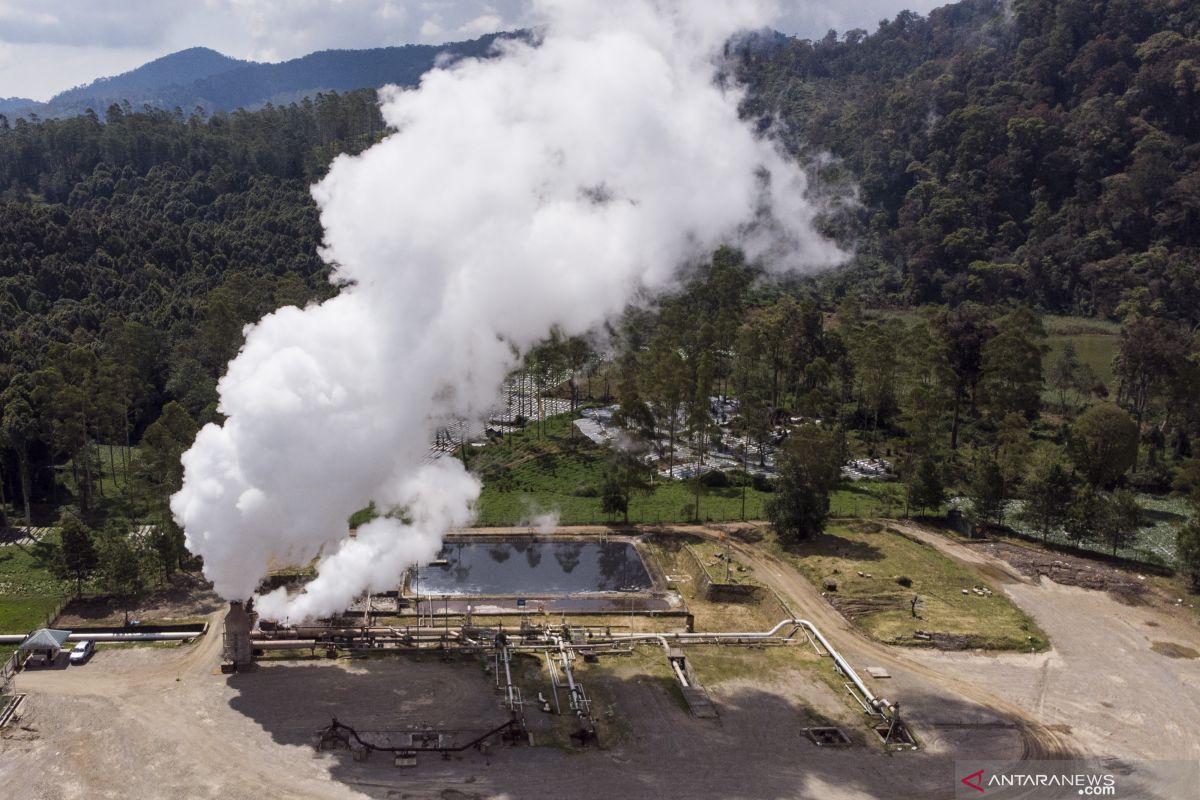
(547, 187)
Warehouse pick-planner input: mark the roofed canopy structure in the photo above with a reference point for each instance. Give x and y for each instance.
(46, 640)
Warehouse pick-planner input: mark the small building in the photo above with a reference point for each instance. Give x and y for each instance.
(45, 643)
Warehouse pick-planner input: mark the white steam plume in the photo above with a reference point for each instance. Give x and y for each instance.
(544, 522)
(547, 187)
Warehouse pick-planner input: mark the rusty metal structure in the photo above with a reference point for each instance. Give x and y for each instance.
(239, 644)
(559, 645)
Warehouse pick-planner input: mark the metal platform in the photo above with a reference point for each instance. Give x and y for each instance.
(699, 702)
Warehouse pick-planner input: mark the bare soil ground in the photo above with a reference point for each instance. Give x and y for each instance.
(187, 596)
(151, 723)
(155, 722)
(1069, 570)
(1114, 679)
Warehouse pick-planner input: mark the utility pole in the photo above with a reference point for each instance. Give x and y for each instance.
(745, 477)
(416, 587)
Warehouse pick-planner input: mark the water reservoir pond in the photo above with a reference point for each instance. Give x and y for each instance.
(534, 568)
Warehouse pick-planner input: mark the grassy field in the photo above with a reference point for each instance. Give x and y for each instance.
(526, 474)
(28, 592)
(1097, 350)
(1060, 325)
(712, 557)
(20, 614)
(868, 499)
(669, 502)
(25, 569)
(879, 604)
(709, 615)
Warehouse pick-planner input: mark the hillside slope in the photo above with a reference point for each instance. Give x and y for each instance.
(1032, 150)
(199, 77)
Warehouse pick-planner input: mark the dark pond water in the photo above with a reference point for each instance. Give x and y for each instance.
(534, 568)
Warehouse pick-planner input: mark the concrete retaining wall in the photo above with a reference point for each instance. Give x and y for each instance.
(713, 590)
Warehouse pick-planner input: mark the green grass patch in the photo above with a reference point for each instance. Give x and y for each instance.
(25, 569)
(21, 614)
(879, 604)
(868, 499)
(555, 468)
(668, 551)
(28, 592)
(713, 559)
(1062, 325)
(1097, 350)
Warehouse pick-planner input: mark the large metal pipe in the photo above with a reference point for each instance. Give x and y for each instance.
(509, 689)
(663, 639)
(169, 636)
(879, 704)
(289, 644)
(679, 672)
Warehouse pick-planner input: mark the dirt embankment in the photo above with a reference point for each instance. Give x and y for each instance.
(187, 596)
(1070, 570)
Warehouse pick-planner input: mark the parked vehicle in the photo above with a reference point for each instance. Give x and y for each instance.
(82, 652)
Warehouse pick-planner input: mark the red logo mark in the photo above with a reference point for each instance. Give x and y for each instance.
(974, 780)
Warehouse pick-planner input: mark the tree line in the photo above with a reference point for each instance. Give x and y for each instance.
(965, 400)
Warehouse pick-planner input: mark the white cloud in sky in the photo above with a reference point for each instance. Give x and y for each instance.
(115, 24)
(53, 45)
(811, 19)
(485, 23)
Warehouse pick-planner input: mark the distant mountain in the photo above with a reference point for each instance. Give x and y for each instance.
(176, 69)
(199, 77)
(8, 104)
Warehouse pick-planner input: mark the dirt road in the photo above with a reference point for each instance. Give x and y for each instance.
(924, 689)
(1103, 680)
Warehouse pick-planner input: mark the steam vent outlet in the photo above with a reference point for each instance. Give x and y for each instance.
(238, 624)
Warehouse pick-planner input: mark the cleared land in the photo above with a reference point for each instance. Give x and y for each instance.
(1106, 682)
(554, 468)
(877, 571)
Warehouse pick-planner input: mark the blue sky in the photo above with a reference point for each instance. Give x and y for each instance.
(50, 45)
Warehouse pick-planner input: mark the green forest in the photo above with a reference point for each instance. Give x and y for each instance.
(1019, 184)
(1038, 151)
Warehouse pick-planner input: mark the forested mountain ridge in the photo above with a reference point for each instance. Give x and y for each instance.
(9, 105)
(203, 78)
(143, 83)
(1035, 150)
(996, 177)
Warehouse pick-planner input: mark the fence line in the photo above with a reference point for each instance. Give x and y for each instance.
(8, 671)
(53, 616)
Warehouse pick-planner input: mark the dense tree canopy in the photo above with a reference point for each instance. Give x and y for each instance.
(1041, 150)
(132, 253)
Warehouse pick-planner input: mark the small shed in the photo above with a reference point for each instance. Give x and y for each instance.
(47, 642)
